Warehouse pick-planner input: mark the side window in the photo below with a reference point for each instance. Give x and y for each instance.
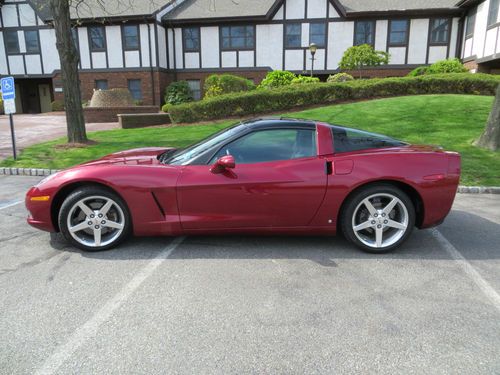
(346, 140)
(271, 145)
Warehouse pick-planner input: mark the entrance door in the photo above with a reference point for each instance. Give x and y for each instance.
(45, 98)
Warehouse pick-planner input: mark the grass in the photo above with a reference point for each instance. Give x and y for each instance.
(451, 121)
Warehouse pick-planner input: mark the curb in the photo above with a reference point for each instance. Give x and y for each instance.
(46, 172)
(479, 189)
(27, 172)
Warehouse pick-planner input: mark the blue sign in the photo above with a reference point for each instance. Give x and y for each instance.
(8, 88)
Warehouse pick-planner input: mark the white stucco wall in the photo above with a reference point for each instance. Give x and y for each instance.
(381, 30)
(246, 59)
(419, 30)
(50, 56)
(316, 8)
(229, 59)
(192, 60)
(269, 47)
(294, 59)
(209, 46)
(295, 9)
(341, 38)
(114, 44)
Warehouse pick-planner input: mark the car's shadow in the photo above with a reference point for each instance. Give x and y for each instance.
(475, 237)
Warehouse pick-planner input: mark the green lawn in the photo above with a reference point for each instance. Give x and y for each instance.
(451, 121)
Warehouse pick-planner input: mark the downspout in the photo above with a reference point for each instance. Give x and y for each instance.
(460, 36)
(151, 65)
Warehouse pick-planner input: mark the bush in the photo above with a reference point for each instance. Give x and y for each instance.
(447, 66)
(277, 78)
(439, 67)
(216, 84)
(57, 105)
(304, 79)
(1, 104)
(339, 77)
(178, 93)
(284, 98)
(364, 55)
(420, 71)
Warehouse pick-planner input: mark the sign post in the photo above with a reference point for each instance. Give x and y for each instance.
(9, 102)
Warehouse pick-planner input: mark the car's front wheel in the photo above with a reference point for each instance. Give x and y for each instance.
(378, 218)
(93, 218)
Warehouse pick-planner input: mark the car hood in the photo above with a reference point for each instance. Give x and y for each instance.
(136, 156)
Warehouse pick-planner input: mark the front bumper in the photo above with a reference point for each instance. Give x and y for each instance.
(39, 211)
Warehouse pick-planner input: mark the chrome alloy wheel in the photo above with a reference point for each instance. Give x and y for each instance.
(95, 221)
(380, 220)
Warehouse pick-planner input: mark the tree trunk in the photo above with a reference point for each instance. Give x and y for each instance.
(490, 138)
(69, 57)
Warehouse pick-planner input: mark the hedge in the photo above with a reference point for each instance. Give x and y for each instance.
(280, 99)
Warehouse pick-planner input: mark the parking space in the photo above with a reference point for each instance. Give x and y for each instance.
(244, 304)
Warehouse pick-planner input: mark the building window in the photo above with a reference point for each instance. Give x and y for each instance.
(293, 35)
(74, 36)
(130, 37)
(440, 28)
(238, 37)
(135, 88)
(398, 32)
(195, 86)
(471, 23)
(364, 33)
(317, 34)
(32, 42)
(191, 37)
(11, 42)
(101, 84)
(97, 39)
(493, 12)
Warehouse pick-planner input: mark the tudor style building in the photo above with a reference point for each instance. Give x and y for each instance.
(146, 44)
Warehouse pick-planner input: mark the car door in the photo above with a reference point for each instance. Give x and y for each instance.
(278, 181)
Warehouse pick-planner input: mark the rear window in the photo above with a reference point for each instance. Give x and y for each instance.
(346, 140)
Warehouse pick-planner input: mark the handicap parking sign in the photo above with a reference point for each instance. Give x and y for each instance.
(8, 88)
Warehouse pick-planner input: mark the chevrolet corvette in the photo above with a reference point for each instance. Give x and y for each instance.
(262, 176)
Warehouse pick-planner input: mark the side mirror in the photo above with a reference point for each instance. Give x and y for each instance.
(222, 164)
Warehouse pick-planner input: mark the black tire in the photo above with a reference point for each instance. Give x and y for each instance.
(346, 219)
(95, 191)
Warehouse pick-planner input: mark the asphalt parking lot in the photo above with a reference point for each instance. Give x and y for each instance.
(202, 305)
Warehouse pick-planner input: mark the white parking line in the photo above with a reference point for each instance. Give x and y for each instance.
(485, 287)
(90, 328)
(7, 205)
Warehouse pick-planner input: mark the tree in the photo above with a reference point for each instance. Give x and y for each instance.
(364, 55)
(69, 58)
(490, 138)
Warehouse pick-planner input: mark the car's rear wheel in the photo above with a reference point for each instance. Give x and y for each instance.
(93, 219)
(378, 218)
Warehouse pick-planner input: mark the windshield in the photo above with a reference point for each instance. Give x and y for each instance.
(186, 155)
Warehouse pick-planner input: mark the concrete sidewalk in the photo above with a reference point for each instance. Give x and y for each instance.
(36, 128)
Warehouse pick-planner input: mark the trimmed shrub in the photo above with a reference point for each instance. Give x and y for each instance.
(277, 78)
(57, 105)
(178, 92)
(284, 98)
(447, 66)
(419, 71)
(1, 104)
(339, 77)
(304, 79)
(220, 84)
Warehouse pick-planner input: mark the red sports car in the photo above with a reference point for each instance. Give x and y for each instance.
(263, 176)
